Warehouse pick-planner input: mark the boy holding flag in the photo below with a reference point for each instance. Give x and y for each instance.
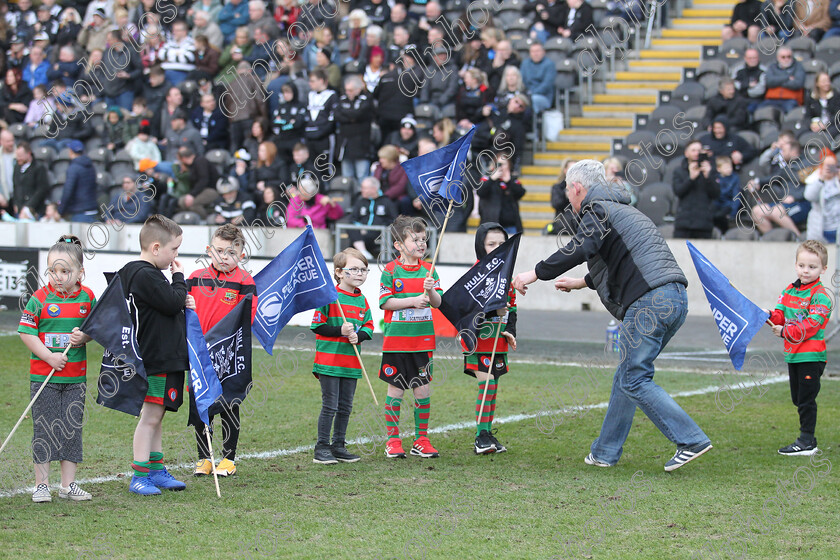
(406, 293)
(217, 289)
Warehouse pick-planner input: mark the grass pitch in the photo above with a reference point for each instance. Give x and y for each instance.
(538, 500)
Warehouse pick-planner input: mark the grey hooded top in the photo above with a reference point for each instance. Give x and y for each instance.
(626, 255)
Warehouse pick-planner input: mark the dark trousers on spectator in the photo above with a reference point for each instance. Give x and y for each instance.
(387, 126)
(230, 432)
(804, 388)
(202, 202)
(320, 146)
(239, 130)
(371, 237)
(686, 233)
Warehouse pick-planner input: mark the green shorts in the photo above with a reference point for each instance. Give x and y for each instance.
(166, 389)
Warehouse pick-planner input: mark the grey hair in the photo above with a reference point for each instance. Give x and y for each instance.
(587, 172)
(373, 181)
(355, 80)
(374, 30)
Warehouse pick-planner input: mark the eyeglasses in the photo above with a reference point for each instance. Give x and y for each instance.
(356, 271)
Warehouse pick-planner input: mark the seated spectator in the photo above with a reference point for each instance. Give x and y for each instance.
(35, 72)
(392, 178)
(31, 185)
(323, 62)
(269, 170)
(721, 142)
(206, 60)
(504, 58)
(241, 170)
(210, 7)
(237, 51)
(834, 14)
(744, 21)
(499, 196)
(405, 139)
(633, 11)
(78, 196)
(39, 107)
(549, 16)
(307, 201)
(374, 68)
(204, 26)
(143, 146)
(374, 37)
(510, 85)
(777, 19)
(258, 17)
(272, 207)
(565, 220)
(131, 206)
(303, 164)
(65, 69)
(443, 132)
(490, 38)
(178, 54)
(155, 89)
(95, 35)
(286, 13)
(182, 133)
(288, 121)
(233, 206)
(69, 27)
(472, 97)
(152, 52)
(507, 123)
(441, 88)
(750, 79)
(779, 198)
(69, 124)
(822, 190)
(323, 38)
(260, 132)
(614, 172)
(470, 55)
(785, 82)
(354, 115)
(211, 123)
(372, 208)
(728, 103)
(400, 39)
(812, 19)
(232, 16)
(15, 97)
(822, 105)
(696, 188)
(538, 74)
(201, 177)
(576, 17)
(16, 55)
(116, 134)
(728, 203)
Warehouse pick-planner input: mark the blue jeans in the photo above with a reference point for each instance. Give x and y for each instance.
(648, 325)
(123, 100)
(358, 168)
(175, 76)
(784, 105)
(85, 217)
(540, 102)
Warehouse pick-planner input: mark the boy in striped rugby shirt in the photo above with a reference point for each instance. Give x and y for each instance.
(336, 364)
(407, 293)
(800, 317)
(217, 289)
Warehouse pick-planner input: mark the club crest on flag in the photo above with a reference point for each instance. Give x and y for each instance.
(432, 181)
(226, 357)
(306, 272)
(487, 284)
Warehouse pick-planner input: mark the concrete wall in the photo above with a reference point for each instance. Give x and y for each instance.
(759, 270)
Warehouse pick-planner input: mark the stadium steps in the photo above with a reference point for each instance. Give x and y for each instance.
(632, 89)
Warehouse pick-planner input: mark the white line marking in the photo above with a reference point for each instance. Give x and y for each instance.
(439, 430)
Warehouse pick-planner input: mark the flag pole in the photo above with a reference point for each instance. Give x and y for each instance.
(38, 394)
(489, 371)
(440, 237)
(359, 356)
(212, 460)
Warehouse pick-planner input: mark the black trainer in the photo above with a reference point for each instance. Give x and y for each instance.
(323, 456)
(799, 447)
(499, 447)
(342, 455)
(483, 443)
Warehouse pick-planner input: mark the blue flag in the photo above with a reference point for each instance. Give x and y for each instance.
(122, 381)
(738, 319)
(204, 382)
(439, 175)
(296, 280)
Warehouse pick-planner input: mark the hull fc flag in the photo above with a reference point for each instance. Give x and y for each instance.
(122, 381)
(481, 291)
(738, 319)
(229, 346)
(439, 175)
(296, 280)
(204, 383)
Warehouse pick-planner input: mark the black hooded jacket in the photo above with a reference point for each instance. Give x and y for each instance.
(480, 253)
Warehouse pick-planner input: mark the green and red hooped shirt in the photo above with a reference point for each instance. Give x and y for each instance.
(334, 355)
(804, 311)
(412, 329)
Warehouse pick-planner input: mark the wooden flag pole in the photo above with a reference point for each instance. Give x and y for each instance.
(490, 371)
(38, 394)
(440, 237)
(359, 356)
(212, 459)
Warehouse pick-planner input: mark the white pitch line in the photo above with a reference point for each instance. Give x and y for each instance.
(439, 430)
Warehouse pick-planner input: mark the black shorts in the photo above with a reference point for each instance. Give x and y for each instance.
(481, 362)
(166, 389)
(406, 370)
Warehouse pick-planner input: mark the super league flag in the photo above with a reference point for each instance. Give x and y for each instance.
(484, 288)
(738, 319)
(229, 348)
(204, 383)
(439, 174)
(296, 280)
(122, 378)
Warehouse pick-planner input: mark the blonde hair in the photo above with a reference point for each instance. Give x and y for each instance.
(389, 152)
(815, 247)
